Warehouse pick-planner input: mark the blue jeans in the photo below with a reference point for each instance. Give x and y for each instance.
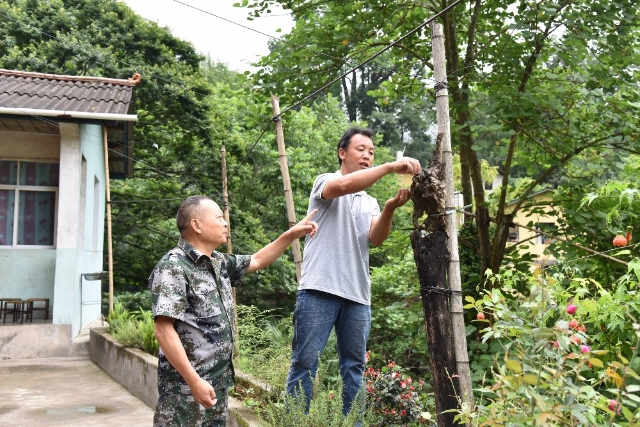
(315, 315)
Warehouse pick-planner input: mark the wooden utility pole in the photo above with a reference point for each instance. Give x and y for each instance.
(108, 203)
(288, 194)
(225, 204)
(457, 316)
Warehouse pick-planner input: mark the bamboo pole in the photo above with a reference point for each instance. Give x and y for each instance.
(108, 203)
(225, 204)
(288, 194)
(456, 303)
(225, 198)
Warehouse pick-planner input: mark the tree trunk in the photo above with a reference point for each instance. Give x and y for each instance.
(429, 242)
(472, 183)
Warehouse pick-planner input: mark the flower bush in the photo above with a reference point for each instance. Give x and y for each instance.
(569, 348)
(394, 399)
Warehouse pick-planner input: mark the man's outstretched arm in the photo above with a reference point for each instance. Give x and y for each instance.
(365, 178)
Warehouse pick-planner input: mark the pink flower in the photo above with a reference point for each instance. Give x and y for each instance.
(585, 349)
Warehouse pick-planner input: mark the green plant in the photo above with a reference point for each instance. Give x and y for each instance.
(264, 345)
(147, 331)
(133, 329)
(553, 367)
(325, 410)
(118, 316)
(393, 398)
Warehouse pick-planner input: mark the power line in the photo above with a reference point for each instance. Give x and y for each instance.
(366, 61)
(298, 46)
(374, 56)
(100, 143)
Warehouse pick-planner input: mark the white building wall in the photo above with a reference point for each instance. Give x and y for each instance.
(91, 241)
(80, 225)
(67, 276)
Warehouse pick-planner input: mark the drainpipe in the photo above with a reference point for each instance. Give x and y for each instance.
(108, 195)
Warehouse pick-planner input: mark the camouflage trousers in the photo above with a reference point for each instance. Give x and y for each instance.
(182, 410)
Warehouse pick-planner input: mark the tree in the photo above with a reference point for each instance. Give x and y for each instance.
(105, 38)
(542, 84)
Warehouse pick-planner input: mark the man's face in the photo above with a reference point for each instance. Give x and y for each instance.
(210, 221)
(358, 155)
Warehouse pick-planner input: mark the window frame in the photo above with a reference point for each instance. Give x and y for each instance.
(17, 188)
(547, 227)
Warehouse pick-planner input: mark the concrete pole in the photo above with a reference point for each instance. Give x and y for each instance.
(444, 131)
(288, 194)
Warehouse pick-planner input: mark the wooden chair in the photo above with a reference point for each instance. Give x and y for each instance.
(17, 308)
(2, 301)
(31, 307)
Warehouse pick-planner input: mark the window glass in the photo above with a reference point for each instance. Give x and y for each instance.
(547, 227)
(39, 174)
(8, 172)
(36, 218)
(28, 192)
(7, 206)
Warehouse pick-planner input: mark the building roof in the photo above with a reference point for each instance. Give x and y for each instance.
(532, 195)
(80, 94)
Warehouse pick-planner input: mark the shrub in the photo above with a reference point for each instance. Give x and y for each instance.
(393, 398)
(133, 329)
(325, 410)
(129, 300)
(554, 367)
(265, 346)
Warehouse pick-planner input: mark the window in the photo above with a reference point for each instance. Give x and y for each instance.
(547, 227)
(34, 186)
(513, 234)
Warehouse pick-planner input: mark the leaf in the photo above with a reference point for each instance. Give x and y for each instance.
(531, 379)
(586, 200)
(596, 362)
(513, 365)
(627, 414)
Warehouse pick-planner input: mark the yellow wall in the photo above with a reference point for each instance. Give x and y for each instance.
(534, 245)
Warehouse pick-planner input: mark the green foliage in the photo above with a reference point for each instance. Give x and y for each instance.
(129, 301)
(325, 410)
(393, 398)
(265, 345)
(118, 316)
(133, 329)
(397, 325)
(591, 213)
(548, 370)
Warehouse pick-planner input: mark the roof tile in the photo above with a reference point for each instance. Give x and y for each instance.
(19, 89)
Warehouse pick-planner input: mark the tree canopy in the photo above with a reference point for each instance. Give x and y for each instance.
(537, 87)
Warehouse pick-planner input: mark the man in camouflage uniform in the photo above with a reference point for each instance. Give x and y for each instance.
(193, 312)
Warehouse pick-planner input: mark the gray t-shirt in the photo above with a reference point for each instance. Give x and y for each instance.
(336, 259)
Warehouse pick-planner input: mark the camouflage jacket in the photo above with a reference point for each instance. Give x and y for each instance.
(195, 289)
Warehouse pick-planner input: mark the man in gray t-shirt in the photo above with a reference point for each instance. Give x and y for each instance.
(335, 289)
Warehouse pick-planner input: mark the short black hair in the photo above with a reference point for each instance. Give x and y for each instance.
(346, 138)
(188, 210)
